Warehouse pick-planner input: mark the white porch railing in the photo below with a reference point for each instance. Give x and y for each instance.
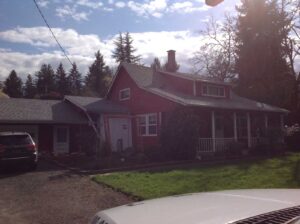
(207, 145)
(213, 145)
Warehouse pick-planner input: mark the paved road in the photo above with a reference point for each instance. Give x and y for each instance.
(51, 195)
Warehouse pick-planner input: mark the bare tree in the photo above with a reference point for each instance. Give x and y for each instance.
(216, 56)
(290, 10)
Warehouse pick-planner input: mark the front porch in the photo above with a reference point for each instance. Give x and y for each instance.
(224, 130)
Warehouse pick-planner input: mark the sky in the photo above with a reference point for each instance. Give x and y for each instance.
(85, 26)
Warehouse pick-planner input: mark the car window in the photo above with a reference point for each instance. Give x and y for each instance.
(15, 140)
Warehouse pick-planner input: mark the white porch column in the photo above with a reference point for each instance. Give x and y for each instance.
(235, 127)
(249, 130)
(213, 130)
(266, 121)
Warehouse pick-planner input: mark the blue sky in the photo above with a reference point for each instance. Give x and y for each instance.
(85, 26)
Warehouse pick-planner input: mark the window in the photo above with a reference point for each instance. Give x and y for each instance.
(211, 90)
(242, 129)
(124, 94)
(147, 125)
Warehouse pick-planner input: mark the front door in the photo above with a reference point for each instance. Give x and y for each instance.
(61, 140)
(120, 133)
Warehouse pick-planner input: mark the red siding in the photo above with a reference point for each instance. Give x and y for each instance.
(180, 84)
(140, 102)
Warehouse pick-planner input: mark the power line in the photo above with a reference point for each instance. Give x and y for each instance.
(61, 48)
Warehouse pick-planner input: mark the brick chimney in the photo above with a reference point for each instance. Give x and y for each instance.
(171, 65)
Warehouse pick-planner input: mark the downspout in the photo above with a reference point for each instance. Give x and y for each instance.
(90, 121)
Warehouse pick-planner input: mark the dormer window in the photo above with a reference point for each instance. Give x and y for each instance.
(124, 94)
(213, 90)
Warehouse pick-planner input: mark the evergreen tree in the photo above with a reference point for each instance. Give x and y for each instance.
(62, 82)
(75, 80)
(97, 78)
(130, 50)
(45, 80)
(29, 88)
(119, 52)
(13, 85)
(156, 64)
(264, 74)
(124, 50)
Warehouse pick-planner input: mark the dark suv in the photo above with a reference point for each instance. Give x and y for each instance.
(18, 147)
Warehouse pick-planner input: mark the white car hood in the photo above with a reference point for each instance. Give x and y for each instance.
(205, 208)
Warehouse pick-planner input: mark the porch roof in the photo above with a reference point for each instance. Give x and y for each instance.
(234, 103)
(36, 111)
(96, 105)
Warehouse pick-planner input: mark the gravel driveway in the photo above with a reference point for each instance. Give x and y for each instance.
(52, 196)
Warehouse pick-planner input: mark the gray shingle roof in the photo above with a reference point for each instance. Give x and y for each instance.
(96, 105)
(235, 102)
(38, 112)
(143, 76)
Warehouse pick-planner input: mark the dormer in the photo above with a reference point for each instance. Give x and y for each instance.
(211, 89)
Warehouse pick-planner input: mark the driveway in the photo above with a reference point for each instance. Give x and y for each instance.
(51, 195)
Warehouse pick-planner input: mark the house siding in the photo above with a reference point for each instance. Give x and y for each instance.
(179, 84)
(140, 102)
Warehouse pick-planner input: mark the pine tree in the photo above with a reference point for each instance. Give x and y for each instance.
(119, 52)
(156, 64)
(97, 78)
(124, 50)
(75, 80)
(130, 50)
(13, 85)
(45, 80)
(261, 60)
(62, 82)
(29, 88)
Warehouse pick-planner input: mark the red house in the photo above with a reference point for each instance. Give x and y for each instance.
(151, 94)
(137, 104)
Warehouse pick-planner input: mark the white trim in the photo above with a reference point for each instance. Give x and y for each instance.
(123, 90)
(248, 130)
(266, 121)
(147, 125)
(213, 130)
(235, 127)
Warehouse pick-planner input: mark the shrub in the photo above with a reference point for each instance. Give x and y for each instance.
(180, 133)
(155, 153)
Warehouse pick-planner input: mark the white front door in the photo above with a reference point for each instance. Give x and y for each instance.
(120, 133)
(61, 140)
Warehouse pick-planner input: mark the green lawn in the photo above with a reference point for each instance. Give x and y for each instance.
(270, 173)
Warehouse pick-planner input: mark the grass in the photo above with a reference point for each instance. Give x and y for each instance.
(269, 173)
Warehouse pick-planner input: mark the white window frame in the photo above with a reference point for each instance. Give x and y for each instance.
(147, 124)
(211, 94)
(120, 94)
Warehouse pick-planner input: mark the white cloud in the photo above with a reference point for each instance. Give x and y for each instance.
(89, 3)
(150, 8)
(187, 7)
(81, 48)
(67, 11)
(43, 3)
(120, 4)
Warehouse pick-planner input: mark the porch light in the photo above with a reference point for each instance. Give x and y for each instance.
(213, 2)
